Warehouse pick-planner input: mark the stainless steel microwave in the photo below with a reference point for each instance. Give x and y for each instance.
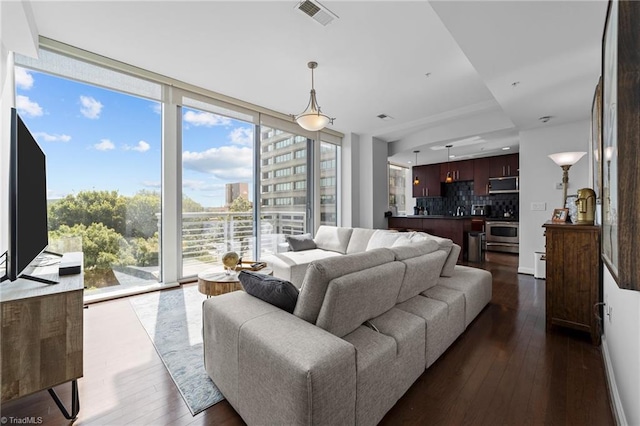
(504, 185)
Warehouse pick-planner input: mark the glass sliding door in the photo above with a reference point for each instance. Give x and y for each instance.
(217, 187)
(284, 187)
(103, 150)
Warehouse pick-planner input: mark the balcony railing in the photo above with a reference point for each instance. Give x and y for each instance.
(206, 236)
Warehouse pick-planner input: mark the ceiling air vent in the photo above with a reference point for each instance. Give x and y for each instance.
(317, 11)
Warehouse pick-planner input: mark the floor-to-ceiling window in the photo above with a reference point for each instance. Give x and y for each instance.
(217, 187)
(154, 179)
(398, 188)
(103, 153)
(284, 186)
(329, 178)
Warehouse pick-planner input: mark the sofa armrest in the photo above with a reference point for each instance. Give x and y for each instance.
(275, 368)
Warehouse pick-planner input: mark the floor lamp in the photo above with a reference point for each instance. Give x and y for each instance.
(566, 160)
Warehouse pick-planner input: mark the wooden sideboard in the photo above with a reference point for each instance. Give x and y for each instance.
(574, 277)
(42, 332)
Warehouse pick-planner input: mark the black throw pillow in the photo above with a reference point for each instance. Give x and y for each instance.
(272, 290)
(301, 242)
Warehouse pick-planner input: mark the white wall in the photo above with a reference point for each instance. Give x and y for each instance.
(621, 348)
(539, 176)
(350, 176)
(372, 193)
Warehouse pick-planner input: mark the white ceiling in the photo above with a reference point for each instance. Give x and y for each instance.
(372, 60)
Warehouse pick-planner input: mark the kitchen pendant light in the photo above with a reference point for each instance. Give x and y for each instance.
(416, 179)
(312, 118)
(449, 177)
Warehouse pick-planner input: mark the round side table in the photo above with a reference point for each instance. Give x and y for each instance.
(214, 283)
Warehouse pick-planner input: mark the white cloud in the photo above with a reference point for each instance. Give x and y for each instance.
(152, 184)
(24, 79)
(104, 145)
(157, 108)
(46, 137)
(26, 106)
(91, 108)
(242, 136)
(205, 119)
(141, 147)
(227, 162)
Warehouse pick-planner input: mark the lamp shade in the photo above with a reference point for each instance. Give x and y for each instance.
(608, 153)
(566, 158)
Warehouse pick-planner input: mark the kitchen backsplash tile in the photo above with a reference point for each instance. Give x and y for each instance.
(460, 194)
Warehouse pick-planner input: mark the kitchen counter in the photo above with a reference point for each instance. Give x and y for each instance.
(455, 228)
(436, 216)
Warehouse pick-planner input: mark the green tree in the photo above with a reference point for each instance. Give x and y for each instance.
(190, 206)
(145, 251)
(142, 209)
(102, 246)
(241, 204)
(87, 207)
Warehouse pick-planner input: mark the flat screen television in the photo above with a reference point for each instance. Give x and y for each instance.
(28, 234)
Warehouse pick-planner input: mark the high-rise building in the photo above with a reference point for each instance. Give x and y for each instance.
(235, 190)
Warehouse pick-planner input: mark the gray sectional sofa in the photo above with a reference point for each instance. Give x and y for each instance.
(367, 323)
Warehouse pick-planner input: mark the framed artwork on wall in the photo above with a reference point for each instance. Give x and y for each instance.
(609, 140)
(596, 141)
(620, 147)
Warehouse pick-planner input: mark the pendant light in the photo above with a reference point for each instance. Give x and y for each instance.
(449, 177)
(416, 179)
(312, 118)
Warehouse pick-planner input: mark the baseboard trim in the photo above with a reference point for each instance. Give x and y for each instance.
(616, 402)
(526, 271)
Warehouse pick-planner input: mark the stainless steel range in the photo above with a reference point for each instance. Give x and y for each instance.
(502, 236)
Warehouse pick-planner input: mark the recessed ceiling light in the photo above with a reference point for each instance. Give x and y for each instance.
(428, 74)
(545, 118)
(384, 117)
(515, 84)
(506, 148)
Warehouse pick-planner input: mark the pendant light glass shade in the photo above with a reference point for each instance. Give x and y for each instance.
(312, 118)
(416, 179)
(449, 177)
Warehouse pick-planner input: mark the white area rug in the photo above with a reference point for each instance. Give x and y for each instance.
(173, 320)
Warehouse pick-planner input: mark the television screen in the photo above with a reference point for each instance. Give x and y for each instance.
(28, 235)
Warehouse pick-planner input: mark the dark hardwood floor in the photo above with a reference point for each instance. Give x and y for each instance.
(504, 370)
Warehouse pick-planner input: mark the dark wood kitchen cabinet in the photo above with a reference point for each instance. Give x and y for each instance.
(574, 277)
(481, 175)
(505, 165)
(460, 170)
(429, 176)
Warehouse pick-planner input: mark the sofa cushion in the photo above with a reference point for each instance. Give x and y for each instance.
(333, 238)
(320, 272)
(476, 284)
(382, 238)
(292, 265)
(301, 242)
(414, 249)
(272, 290)
(421, 274)
(357, 297)
(359, 239)
(450, 263)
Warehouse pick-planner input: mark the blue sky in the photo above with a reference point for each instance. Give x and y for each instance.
(100, 139)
